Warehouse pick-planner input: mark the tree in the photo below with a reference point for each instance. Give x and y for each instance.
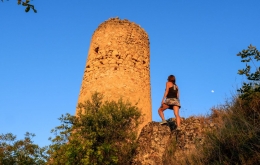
(14, 151)
(101, 133)
(251, 87)
(27, 5)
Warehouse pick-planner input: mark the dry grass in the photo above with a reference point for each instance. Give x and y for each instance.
(237, 139)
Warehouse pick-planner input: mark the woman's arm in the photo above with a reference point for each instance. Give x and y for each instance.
(166, 92)
(178, 93)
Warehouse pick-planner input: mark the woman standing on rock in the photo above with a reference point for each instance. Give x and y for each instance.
(171, 101)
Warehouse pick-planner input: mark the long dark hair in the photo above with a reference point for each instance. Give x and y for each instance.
(172, 79)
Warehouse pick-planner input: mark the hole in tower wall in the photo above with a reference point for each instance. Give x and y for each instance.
(96, 49)
(118, 56)
(88, 66)
(144, 62)
(115, 68)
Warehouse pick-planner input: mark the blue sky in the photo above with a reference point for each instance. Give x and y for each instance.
(43, 55)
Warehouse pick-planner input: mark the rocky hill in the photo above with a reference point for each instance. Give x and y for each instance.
(163, 144)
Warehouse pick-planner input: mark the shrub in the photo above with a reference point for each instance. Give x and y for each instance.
(24, 151)
(101, 133)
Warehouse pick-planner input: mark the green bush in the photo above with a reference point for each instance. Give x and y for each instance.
(18, 152)
(101, 133)
(252, 86)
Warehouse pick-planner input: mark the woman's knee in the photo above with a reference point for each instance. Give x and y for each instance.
(176, 114)
(161, 109)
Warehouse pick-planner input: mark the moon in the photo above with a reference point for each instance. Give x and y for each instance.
(212, 91)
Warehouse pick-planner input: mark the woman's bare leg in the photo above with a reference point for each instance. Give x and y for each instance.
(176, 113)
(161, 109)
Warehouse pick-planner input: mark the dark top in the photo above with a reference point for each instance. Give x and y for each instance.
(172, 93)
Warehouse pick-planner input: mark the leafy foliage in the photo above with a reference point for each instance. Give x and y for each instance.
(27, 5)
(237, 140)
(14, 151)
(101, 133)
(253, 85)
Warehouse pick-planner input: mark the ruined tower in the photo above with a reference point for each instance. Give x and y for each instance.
(118, 65)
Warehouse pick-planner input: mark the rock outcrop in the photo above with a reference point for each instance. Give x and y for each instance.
(164, 145)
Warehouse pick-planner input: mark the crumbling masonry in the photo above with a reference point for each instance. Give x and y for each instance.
(118, 65)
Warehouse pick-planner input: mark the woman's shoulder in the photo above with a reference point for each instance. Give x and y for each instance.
(169, 84)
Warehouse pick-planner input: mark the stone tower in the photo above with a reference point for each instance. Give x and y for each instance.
(118, 65)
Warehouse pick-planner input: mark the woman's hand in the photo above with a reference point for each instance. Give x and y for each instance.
(162, 102)
(166, 92)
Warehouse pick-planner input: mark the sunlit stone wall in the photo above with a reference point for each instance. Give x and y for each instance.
(118, 65)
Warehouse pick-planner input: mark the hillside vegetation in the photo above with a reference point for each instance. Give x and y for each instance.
(237, 139)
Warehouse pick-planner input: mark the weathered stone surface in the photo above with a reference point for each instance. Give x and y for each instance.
(152, 142)
(118, 65)
(164, 145)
